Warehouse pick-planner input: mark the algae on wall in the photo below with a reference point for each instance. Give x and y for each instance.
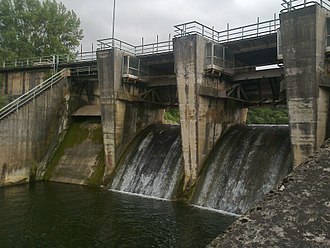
(79, 159)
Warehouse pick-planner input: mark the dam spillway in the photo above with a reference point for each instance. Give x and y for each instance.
(242, 167)
(245, 165)
(152, 165)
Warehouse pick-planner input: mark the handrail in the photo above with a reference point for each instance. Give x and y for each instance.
(139, 50)
(289, 5)
(31, 94)
(50, 61)
(248, 31)
(27, 62)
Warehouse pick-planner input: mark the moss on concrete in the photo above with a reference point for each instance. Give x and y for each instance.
(77, 133)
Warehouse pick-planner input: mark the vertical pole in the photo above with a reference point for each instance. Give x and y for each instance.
(81, 50)
(212, 32)
(274, 21)
(113, 22)
(157, 44)
(258, 20)
(92, 51)
(227, 31)
(142, 44)
(169, 42)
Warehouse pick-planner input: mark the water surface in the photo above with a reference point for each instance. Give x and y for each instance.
(61, 215)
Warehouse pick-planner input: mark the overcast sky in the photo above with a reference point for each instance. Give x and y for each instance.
(148, 18)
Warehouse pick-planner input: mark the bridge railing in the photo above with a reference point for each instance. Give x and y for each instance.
(29, 62)
(77, 57)
(139, 50)
(32, 94)
(289, 5)
(239, 33)
(50, 61)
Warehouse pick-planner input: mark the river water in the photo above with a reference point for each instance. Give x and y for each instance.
(62, 215)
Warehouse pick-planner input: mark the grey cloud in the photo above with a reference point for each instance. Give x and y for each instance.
(147, 18)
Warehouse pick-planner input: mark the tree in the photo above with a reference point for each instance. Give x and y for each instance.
(30, 28)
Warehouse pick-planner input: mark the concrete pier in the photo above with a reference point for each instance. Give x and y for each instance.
(203, 118)
(122, 118)
(304, 44)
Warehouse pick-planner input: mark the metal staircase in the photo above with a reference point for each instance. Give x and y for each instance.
(33, 93)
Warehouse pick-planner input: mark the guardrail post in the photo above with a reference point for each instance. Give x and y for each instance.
(157, 44)
(258, 20)
(142, 45)
(227, 31)
(169, 42)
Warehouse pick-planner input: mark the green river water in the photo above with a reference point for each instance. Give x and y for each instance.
(61, 215)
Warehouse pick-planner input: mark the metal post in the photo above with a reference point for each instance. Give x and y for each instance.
(169, 42)
(113, 22)
(258, 20)
(227, 31)
(157, 44)
(274, 21)
(212, 32)
(142, 45)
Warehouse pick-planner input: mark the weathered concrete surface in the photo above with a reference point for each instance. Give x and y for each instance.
(121, 120)
(202, 119)
(17, 83)
(79, 159)
(304, 35)
(26, 134)
(297, 214)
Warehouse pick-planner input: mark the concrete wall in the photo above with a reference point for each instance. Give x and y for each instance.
(17, 83)
(304, 35)
(121, 120)
(26, 135)
(203, 119)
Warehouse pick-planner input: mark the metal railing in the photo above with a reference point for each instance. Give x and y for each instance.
(29, 62)
(289, 5)
(50, 61)
(32, 94)
(249, 31)
(139, 50)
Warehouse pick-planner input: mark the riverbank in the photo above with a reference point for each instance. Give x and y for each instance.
(297, 214)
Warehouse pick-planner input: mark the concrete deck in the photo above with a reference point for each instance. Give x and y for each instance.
(297, 214)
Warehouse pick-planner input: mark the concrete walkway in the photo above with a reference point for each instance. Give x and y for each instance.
(297, 214)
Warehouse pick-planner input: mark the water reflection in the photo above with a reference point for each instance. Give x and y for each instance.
(59, 215)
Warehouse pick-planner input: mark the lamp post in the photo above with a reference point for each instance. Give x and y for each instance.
(113, 22)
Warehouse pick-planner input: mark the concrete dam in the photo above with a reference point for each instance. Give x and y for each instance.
(98, 119)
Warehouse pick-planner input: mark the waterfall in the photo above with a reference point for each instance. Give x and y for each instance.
(246, 164)
(152, 165)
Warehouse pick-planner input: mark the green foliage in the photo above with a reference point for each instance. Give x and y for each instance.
(172, 116)
(267, 116)
(30, 28)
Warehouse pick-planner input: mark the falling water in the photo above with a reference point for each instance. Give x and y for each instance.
(152, 165)
(246, 164)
